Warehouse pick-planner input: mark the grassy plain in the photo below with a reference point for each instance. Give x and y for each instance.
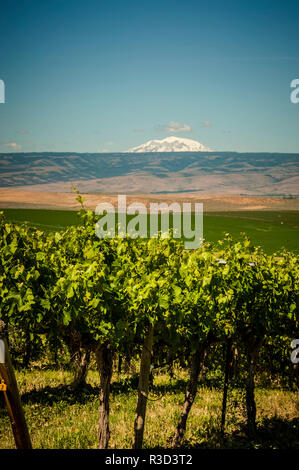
(270, 229)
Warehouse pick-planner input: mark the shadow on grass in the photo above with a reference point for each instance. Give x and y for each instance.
(62, 393)
(279, 433)
(272, 433)
(177, 385)
(66, 393)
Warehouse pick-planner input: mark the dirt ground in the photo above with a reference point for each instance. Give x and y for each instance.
(13, 198)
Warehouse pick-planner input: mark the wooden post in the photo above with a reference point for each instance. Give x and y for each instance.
(12, 398)
(104, 358)
(143, 386)
(228, 365)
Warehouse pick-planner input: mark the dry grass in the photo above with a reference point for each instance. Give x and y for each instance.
(60, 418)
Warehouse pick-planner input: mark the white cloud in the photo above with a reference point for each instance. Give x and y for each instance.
(175, 127)
(23, 132)
(13, 145)
(207, 124)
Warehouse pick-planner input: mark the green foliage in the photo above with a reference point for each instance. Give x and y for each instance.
(71, 288)
(109, 290)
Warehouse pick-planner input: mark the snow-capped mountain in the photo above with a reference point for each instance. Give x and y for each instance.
(170, 144)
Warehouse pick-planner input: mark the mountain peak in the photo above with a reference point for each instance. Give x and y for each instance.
(170, 144)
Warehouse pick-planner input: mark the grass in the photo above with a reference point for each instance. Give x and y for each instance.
(61, 418)
(272, 230)
(41, 218)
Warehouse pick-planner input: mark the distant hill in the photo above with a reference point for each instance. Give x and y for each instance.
(205, 171)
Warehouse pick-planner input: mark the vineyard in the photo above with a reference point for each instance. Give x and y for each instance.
(224, 314)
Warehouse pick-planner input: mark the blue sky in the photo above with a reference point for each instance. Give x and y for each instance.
(94, 76)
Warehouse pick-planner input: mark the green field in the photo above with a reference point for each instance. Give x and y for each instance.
(270, 230)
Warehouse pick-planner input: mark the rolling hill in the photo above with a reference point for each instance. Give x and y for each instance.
(154, 172)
